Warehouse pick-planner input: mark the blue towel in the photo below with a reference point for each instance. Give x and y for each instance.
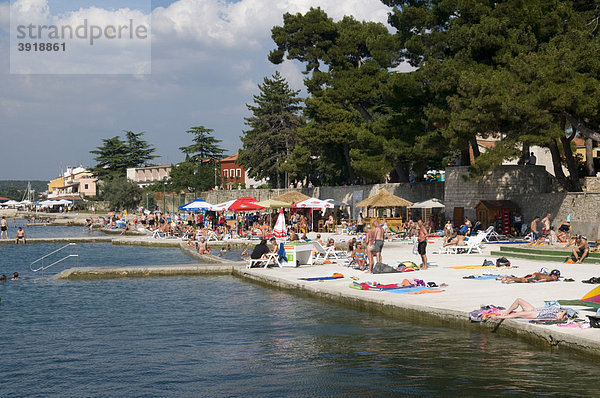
(411, 289)
(281, 253)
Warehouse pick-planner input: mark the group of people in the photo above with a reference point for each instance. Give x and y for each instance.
(21, 236)
(548, 235)
(15, 277)
(368, 252)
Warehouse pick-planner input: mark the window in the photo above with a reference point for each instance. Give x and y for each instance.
(239, 173)
(225, 173)
(232, 173)
(85, 186)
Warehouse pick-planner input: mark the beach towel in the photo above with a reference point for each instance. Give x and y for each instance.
(580, 303)
(323, 278)
(482, 277)
(478, 267)
(417, 290)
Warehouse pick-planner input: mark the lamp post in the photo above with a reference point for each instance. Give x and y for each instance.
(164, 193)
(196, 186)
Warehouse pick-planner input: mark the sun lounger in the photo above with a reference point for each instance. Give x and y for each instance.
(490, 233)
(327, 253)
(270, 258)
(473, 244)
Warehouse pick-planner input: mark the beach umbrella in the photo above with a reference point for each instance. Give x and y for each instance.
(314, 203)
(222, 206)
(336, 203)
(196, 205)
(274, 204)
(245, 203)
(593, 296)
(428, 204)
(280, 229)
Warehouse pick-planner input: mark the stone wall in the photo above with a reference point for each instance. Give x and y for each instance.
(505, 182)
(591, 184)
(350, 194)
(532, 189)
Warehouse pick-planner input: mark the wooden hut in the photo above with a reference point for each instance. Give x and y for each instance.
(487, 211)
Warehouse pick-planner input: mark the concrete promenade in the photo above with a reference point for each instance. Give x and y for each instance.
(449, 308)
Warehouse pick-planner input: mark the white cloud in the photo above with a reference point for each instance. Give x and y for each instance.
(207, 58)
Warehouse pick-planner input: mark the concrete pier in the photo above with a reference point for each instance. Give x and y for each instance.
(89, 273)
(449, 308)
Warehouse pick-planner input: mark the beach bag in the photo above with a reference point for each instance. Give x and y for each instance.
(407, 264)
(381, 268)
(488, 263)
(502, 262)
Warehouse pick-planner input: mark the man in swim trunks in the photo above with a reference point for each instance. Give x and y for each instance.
(530, 312)
(422, 246)
(3, 228)
(377, 240)
(581, 249)
(21, 237)
(535, 235)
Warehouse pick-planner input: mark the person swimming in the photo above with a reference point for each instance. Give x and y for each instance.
(15, 277)
(3, 278)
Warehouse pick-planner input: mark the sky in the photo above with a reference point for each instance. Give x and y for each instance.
(207, 58)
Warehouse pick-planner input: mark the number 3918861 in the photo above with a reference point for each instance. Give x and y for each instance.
(41, 46)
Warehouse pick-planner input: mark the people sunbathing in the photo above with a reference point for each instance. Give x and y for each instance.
(528, 311)
(458, 240)
(533, 278)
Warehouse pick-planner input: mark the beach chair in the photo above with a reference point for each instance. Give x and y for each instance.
(270, 258)
(157, 234)
(474, 243)
(490, 233)
(327, 253)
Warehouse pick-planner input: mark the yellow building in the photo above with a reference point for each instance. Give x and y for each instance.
(56, 183)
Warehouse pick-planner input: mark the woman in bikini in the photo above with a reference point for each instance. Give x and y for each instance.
(528, 311)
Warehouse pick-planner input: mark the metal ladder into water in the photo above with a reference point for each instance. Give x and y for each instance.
(44, 267)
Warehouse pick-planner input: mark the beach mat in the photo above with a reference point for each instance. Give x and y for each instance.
(579, 302)
(484, 277)
(323, 278)
(477, 267)
(416, 290)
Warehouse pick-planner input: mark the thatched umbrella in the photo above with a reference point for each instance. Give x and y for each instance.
(292, 197)
(384, 199)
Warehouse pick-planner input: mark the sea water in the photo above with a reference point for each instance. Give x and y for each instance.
(222, 337)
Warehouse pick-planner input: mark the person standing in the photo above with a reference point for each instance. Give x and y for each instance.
(532, 160)
(378, 238)
(535, 235)
(546, 224)
(518, 224)
(360, 224)
(3, 228)
(422, 245)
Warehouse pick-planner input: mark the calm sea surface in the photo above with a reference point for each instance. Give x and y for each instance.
(221, 337)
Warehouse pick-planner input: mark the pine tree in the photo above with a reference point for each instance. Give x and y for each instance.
(273, 129)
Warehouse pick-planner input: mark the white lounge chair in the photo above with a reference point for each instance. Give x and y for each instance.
(473, 243)
(327, 253)
(490, 233)
(270, 258)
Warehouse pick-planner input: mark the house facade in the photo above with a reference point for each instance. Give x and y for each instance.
(234, 176)
(76, 182)
(144, 176)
